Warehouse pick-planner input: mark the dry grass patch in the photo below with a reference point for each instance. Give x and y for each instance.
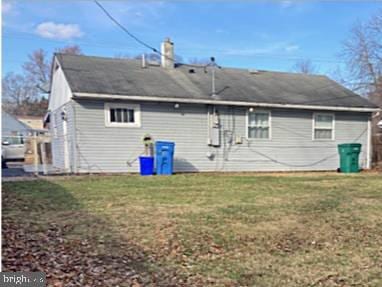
(304, 229)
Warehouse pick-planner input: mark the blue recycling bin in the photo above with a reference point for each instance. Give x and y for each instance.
(164, 157)
(146, 164)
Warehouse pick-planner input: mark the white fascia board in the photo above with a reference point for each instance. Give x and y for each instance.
(219, 102)
(53, 71)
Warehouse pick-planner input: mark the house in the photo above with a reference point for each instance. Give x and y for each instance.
(35, 123)
(17, 138)
(13, 133)
(20, 125)
(252, 120)
(12, 127)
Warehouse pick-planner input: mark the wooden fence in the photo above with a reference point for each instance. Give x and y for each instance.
(38, 153)
(377, 150)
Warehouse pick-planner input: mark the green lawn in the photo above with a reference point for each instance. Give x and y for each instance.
(313, 229)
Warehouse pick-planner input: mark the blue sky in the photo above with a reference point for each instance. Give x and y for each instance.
(268, 35)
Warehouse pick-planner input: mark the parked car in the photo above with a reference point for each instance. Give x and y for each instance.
(12, 149)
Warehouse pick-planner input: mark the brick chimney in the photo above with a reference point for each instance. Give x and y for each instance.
(167, 51)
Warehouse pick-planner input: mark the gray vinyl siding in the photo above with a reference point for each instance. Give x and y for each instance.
(115, 149)
(59, 137)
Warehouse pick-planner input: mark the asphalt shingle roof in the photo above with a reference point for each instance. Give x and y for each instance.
(126, 77)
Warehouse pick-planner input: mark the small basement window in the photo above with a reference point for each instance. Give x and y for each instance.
(323, 126)
(259, 125)
(122, 115)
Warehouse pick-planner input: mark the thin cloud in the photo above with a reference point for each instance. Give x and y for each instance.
(58, 31)
(220, 31)
(286, 4)
(6, 7)
(269, 49)
(130, 13)
(292, 48)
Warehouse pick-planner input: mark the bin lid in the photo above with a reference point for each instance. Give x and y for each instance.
(350, 145)
(146, 157)
(164, 143)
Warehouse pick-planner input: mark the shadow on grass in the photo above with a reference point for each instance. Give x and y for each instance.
(46, 229)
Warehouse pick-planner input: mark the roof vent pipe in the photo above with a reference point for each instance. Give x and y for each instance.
(167, 54)
(144, 64)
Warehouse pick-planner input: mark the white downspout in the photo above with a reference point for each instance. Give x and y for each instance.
(65, 136)
(208, 125)
(369, 149)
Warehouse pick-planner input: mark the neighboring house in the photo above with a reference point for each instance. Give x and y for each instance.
(100, 108)
(13, 133)
(11, 126)
(35, 123)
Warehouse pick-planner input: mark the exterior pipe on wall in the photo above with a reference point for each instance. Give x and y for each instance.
(209, 126)
(143, 63)
(65, 137)
(369, 147)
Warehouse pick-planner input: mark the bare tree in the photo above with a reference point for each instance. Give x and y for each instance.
(376, 95)
(122, 56)
(154, 57)
(37, 67)
(151, 57)
(16, 93)
(362, 52)
(305, 66)
(22, 92)
(72, 50)
(199, 61)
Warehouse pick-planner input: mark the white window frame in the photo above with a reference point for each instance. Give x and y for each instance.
(332, 129)
(137, 114)
(269, 124)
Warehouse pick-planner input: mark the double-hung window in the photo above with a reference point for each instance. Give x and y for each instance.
(122, 115)
(323, 126)
(259, 126)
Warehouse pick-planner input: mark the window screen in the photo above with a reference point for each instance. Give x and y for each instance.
(323, 126)
(121, 115)
(258, 125)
